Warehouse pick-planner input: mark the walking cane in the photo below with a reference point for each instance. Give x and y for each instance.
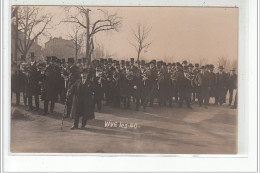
(64, 115)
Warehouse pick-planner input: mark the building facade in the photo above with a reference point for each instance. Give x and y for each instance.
(61, 48)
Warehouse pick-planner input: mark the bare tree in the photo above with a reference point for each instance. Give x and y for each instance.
(77, 39)
(235, 64)
(223, 61)
(106, 22)
(30, 25)
(203, 61)
(141, 39)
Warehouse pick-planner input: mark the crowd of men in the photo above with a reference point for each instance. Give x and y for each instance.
(81, 85)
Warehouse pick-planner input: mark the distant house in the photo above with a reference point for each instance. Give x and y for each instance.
(60, 48)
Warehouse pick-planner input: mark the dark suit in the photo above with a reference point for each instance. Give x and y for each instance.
(18, 80)
(99, 93)
(154, 89)
(82, 103)
(231, 85)
(221, 86)
(50, 86)
(74, 75)
(203, 82)
(33, 87)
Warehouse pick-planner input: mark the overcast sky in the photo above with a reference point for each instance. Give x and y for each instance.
(177, 33)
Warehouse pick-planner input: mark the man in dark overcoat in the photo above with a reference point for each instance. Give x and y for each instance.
(145, 86)
(136, 90)
(74, 75)
(169, 85)
(82, 92)
(196, 70)
(33, 87)
(212, 80)
(183, 85)
(18, 80)
(126, 85)
(50, 87)
(231, 84)
(203, 82)
(221, 86)
(98, 87)
(153, 79)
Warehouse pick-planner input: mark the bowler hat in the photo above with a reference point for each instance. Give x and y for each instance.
(197, 65)
(190, 65)
(123, 62)
(185, 62)
(202, 67)
(221, 67)
(178, 64)
(109, 60)
(153, 62)
(127, 63)
(132, 60)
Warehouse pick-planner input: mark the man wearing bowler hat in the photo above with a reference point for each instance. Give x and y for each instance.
(153, 79)
(33, 83)
(221, 85)
(74, 75)
(231, 84)
(203, 83)
(50, 93)
(82, 93)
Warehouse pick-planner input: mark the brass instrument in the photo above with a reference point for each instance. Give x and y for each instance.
(190, 76)
(65, 75)
(129, 75)
(24, 67)
(41, 67)
(173, 75)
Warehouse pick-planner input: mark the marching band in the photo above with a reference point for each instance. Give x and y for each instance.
(118, 83)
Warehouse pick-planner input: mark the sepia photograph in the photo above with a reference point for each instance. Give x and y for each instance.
(124, 79)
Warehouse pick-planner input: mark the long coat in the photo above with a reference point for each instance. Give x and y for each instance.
(137, 84)
(82, 102)
(50, 83)
(33, 78)
(18, 80)
(203, 82)
(126, 87)
(98, 87)
(232, 81)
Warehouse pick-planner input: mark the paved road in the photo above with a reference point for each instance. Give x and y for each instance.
(158, 130)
